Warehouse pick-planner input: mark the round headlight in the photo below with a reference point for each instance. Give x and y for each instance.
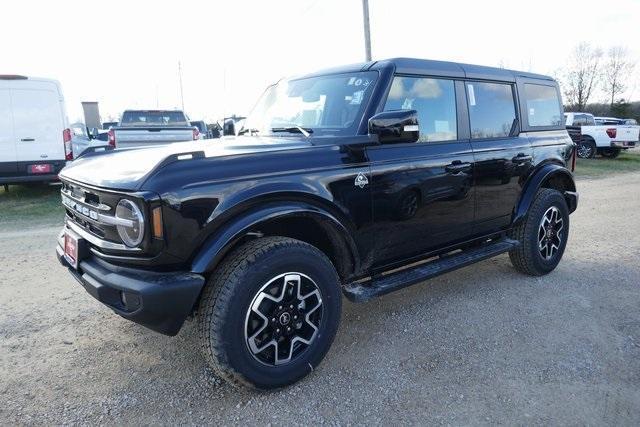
(132, 232)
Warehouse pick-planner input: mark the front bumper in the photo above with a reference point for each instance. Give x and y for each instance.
(28, 179)
(158, 301)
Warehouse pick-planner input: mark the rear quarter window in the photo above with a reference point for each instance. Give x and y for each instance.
(543, 105)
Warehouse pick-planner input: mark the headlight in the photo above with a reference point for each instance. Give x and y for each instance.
(133, 232)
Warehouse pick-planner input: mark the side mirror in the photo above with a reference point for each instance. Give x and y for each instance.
(93, 134)
(395, 126)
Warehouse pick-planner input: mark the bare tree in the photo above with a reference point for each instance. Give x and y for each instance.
(616, 72)
(582, 74)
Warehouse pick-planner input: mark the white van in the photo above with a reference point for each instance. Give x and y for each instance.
(35, 140)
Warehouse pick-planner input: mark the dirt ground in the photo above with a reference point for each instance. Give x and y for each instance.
(482, 345)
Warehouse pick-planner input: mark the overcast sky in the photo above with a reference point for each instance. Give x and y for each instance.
(125, 54)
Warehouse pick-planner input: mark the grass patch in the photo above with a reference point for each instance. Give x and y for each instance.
(627, 161)
(38, 203)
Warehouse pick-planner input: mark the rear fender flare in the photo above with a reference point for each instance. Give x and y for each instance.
(535, 182)
(222, 240)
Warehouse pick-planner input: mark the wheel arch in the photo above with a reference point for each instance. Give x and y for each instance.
(550, 175)
(295, 219)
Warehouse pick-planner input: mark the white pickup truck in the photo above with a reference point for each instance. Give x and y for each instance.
(606, 140)
(143, 128)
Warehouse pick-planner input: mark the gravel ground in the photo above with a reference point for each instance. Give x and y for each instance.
(482, 345)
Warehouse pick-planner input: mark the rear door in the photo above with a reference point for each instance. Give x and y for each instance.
(38, 123)
(7, 142)
(503, 157)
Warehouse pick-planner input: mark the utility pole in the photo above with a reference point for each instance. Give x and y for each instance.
(367, 35)
(180, 78)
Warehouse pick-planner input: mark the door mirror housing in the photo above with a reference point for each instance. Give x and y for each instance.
(395, 126)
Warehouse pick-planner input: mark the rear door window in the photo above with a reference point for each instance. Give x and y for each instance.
(543, 105)
(433, 99)
(492, 111)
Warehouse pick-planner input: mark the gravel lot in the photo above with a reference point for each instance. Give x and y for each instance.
(482, 345)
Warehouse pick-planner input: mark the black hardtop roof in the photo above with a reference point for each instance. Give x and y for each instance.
(434, 68)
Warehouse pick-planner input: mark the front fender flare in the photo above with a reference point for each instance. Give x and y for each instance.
(223, 239)
(534, 183)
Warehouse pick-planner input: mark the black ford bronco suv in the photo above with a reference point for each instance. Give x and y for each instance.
(359, 180)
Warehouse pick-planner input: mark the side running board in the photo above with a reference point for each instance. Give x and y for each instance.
(364, 291)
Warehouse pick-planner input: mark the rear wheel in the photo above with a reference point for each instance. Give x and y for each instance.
(610, 153)
(542, 235)
(587, 149)
(269, 313)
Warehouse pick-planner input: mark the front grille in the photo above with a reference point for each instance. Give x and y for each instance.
(89, 208)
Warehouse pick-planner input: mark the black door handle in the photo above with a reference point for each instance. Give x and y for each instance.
(458, 166)
(27, 139)
(522, 158)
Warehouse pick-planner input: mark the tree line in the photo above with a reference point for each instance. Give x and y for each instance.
(592, 72)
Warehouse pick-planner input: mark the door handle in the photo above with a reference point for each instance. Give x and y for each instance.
(522, 158)
(27, 139)
(458, 166)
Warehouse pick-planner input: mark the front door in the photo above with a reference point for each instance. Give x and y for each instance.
(502, 156)
(422, 192)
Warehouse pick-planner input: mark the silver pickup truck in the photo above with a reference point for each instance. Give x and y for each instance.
(143, 128)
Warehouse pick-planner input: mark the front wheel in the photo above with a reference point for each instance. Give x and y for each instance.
(269, 313)
(542, 235)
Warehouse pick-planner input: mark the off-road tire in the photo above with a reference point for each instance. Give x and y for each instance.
(229, 293)
(527, 257)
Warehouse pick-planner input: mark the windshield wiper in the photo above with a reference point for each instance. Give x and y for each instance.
(251, 131)
(294, 129)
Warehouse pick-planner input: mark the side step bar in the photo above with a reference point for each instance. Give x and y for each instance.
(364, 291)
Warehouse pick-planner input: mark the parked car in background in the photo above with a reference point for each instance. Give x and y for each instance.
(82, 139)
(109, 125)
(214, 130)
(143, 128)
(35, 139)
(607, 139)
(360, 180)
(629, 122)
(232, 125)
(202, 129)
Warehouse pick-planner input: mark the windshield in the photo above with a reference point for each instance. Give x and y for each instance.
(331, 104)
(154, 118)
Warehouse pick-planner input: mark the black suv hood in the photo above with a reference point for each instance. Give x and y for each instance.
(128, 169)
